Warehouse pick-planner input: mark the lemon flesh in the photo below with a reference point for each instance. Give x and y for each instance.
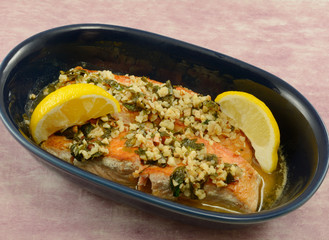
(256, 120)
(68, 106)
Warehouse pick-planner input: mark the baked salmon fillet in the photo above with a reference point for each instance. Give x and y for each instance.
(167, 141)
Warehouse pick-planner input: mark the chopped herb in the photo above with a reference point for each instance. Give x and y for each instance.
(87, 128)
(229, 178)
(114, 84)
(164, 134)
(178, 176)
(132, 107)
(137, 96)
(206, 122)
(212, 157)
(75, 151)
(69, 133)
(107, 133)
(227, 165)
(73, 74)
(192, 192)
(211, 105)
(79, 146)
(93, 80)
(96, 155)
(135, 104)
(140, 151)
(169, 99)
(191, 143)
(170, 87)
(155, 162)
(155, 88)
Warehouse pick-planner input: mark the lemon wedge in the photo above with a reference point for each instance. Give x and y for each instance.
(70, 105)
(256, 120)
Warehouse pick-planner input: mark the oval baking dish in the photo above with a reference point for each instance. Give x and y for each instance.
(36, 62)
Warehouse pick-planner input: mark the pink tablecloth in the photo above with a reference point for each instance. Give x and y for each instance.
(287, 38)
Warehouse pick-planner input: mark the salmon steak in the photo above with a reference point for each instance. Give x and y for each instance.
(167, 141)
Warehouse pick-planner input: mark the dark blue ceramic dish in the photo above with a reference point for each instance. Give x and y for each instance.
(37, 61)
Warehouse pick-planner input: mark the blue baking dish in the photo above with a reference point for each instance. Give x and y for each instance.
(36, 62)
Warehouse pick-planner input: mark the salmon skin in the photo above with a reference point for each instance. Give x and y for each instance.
(167, 141)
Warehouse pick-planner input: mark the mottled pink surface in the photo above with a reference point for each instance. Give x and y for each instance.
(287, 38)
